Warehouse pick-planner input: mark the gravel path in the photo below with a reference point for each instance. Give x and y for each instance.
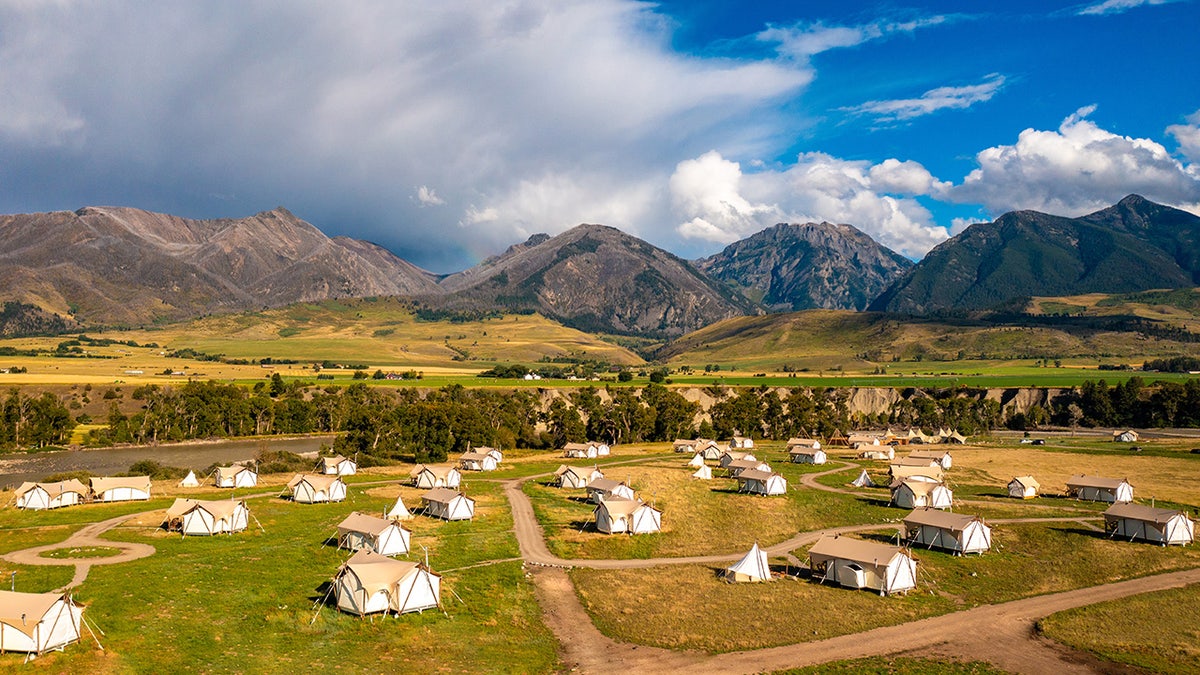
(86, 537)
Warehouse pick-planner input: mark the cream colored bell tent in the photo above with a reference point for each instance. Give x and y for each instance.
(616, 516)
(37, 496)
(1098, 489)
(310, 488)
(337, 466)
(703, 473)
(603, 489)
(399, 511)
(190, 480)
(477, 461)
(361, 531)
(912, 493)
(369, 583)
(35, 623)
(752, 567)
(236, 476)
(197, 517)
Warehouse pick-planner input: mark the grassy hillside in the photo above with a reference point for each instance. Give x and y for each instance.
(850, 341)
(1179, 307)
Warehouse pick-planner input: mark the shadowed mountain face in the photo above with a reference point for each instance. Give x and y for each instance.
(597, 278)
(1133, 246)
(791, 267)
(127, 266)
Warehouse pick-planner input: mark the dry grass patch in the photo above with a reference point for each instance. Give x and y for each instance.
(687, 606)
(1157, 631)
(1165, 478)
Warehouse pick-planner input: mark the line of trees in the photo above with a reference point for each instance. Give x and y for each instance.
(431, 425)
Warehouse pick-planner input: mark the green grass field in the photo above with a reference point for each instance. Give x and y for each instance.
(1158, 632)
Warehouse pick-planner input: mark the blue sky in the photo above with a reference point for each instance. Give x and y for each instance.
(447, 131)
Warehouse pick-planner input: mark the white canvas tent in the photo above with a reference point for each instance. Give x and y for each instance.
(435, 475)
(448, 504)
(801, 455)
(369, 583)
(755, 482)
(878, 453)
(310, 488)
(494, 453)
(730, 456)
(805, 443)
(1125, 436)
(741, 442)
(955, 532)
(190, 480)
(930, 470)
(942, 458)
(1097, 489)
(602, 489)
(703, 473)
(737, 466)
(236, 476)
(399, 511)
(711, 450)
(477, 461)
(614, 516)
(575, 477)
(855, 563)
(1023, 487)
(360, 531)
(37, 496)
(35, 623)
(863, 480)
(195, 517)
(912, 494)
(684, 445)
(1159, 526)
(120, 489)
(696, 460)
(752, 567)
(337, 466)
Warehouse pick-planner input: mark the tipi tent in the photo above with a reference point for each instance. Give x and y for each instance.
(953, 532)
(369, 583)
(448, 504)
(337, 466)
(703, 473)
(36, 496)
(361, 531)
(696, 460)
(197, 517)
(35, 623)
(310, 488)
(752, 567)
(190, 480)
(120, 489)
(855, 563)
(1159, 526)
(863, 480)
(1023, 487)
(236, 476)
(615, 516)
(399, 511)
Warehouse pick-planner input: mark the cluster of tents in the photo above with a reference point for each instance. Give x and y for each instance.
(37, 496)
(753, 476)
(618, 508)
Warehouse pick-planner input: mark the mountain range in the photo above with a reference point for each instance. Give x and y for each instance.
(117, 266)
(1135, 245)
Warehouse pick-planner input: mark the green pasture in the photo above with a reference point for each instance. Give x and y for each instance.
(1158, 632)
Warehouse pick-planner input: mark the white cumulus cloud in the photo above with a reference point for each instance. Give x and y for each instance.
(1188, 137)
(428, 197)
(1075, 169)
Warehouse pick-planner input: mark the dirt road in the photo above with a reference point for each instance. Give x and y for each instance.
(88, 536)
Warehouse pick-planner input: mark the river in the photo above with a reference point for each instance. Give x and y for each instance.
(17, 468)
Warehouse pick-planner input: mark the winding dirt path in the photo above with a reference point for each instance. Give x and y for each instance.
(88, 536)
(1003, 634)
